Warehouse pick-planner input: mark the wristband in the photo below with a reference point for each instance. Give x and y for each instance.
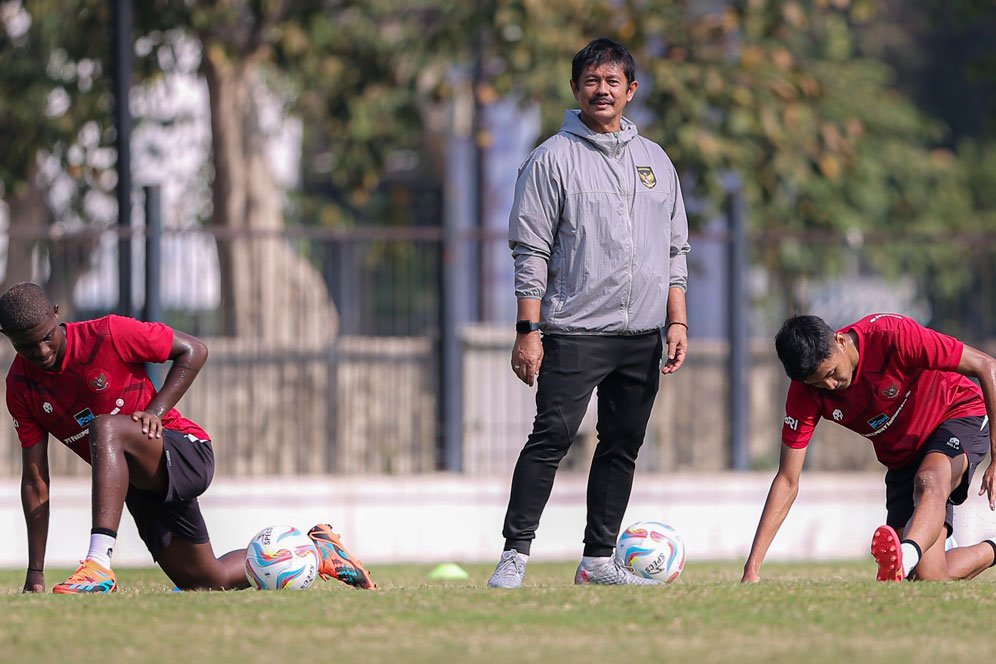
(676, 322)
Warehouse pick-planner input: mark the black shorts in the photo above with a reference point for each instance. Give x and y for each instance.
(962, 435)
(190, 466)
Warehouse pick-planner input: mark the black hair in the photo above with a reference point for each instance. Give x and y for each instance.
(24, 306)
(603, 51)
(803, 344)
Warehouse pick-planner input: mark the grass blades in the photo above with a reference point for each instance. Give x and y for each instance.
(800, 612)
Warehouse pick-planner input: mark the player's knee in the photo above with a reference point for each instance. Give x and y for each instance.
(103, 430)
(926, 483)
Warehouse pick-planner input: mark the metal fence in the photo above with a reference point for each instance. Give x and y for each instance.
(326, 346)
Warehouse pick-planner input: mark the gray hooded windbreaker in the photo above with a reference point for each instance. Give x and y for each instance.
(598, 231)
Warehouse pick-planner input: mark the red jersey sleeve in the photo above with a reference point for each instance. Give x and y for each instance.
(925, 348)
(29, 431)
(802, 413)
(136, 341)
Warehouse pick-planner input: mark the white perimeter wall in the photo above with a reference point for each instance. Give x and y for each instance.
(442, 517)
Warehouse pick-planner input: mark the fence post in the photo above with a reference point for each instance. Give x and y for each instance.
(121, 56)
(736, 307)
(153, 310)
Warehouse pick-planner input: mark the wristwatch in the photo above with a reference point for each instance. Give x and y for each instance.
(526, 326)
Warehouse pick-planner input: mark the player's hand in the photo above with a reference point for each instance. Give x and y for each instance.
(677, 347)
(989, 484)
(152, 426)
(34, 582)
(527, 356)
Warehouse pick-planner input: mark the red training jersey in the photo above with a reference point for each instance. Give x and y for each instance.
(102, 372)
(903, 388)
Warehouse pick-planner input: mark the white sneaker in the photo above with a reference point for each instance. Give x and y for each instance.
(610, 572)
(510, 572)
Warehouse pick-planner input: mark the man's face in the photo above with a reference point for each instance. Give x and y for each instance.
(42, 345)
(836, 372)
(603, 92)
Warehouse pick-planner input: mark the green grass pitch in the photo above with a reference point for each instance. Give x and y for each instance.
(827, 612)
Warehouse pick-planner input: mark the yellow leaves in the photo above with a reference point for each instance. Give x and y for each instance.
(794, 15)
(785, 90)
(295, 40)
(830, 166)
(707, 144)
(943, 158)
(782, 58)
(486, 93)
(751, 57)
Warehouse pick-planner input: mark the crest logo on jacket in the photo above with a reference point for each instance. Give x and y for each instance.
(890, 390)
(97, 380)
(647, 176)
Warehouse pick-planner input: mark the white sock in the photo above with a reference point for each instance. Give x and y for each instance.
(523, 556)
(910, 557)
(101, 549)
(595, 561)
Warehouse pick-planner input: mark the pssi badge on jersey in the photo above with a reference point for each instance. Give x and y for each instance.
(84, 417)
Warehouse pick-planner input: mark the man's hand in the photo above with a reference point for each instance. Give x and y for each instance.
(527, 356)
(34, 582)
(989, 484)
(152, 426)
(677, 346)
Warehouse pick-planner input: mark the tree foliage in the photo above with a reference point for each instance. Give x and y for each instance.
(792, 95)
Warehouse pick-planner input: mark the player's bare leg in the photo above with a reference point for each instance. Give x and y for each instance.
(194, 566)
(121, 455)
(937, 476)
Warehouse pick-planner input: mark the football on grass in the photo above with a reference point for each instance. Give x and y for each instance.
(653, 550)
(280, 557)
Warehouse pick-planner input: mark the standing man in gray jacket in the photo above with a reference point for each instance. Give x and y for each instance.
(599, 237)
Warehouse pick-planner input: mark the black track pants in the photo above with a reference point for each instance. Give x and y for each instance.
(626, 371)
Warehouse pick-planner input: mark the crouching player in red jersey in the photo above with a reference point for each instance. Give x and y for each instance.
(905, 388)
(86, 384)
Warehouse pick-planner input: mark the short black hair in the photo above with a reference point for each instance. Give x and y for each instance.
(603, 51)
(803, 344)
(24, 306)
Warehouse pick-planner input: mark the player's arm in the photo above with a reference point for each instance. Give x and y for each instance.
(34, 501)
(781, 495)
(982, 366)
(188, 355)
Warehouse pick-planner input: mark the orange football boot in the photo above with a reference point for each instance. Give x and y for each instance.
(336, 561)
(91, 577)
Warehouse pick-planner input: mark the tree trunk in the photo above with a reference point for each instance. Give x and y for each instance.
(28, 221)
(269, 292)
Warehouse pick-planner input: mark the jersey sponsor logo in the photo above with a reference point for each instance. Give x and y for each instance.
(76, 436)
(890, 390)
(881, 422)
(954, 443)
(47, 407)
(97, 380)
(84, 417)
(837, 414)
(792, 423)
(647, 176)
(878, 421)
(875, 318)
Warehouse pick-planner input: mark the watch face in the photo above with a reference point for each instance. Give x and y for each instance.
(526, 326)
